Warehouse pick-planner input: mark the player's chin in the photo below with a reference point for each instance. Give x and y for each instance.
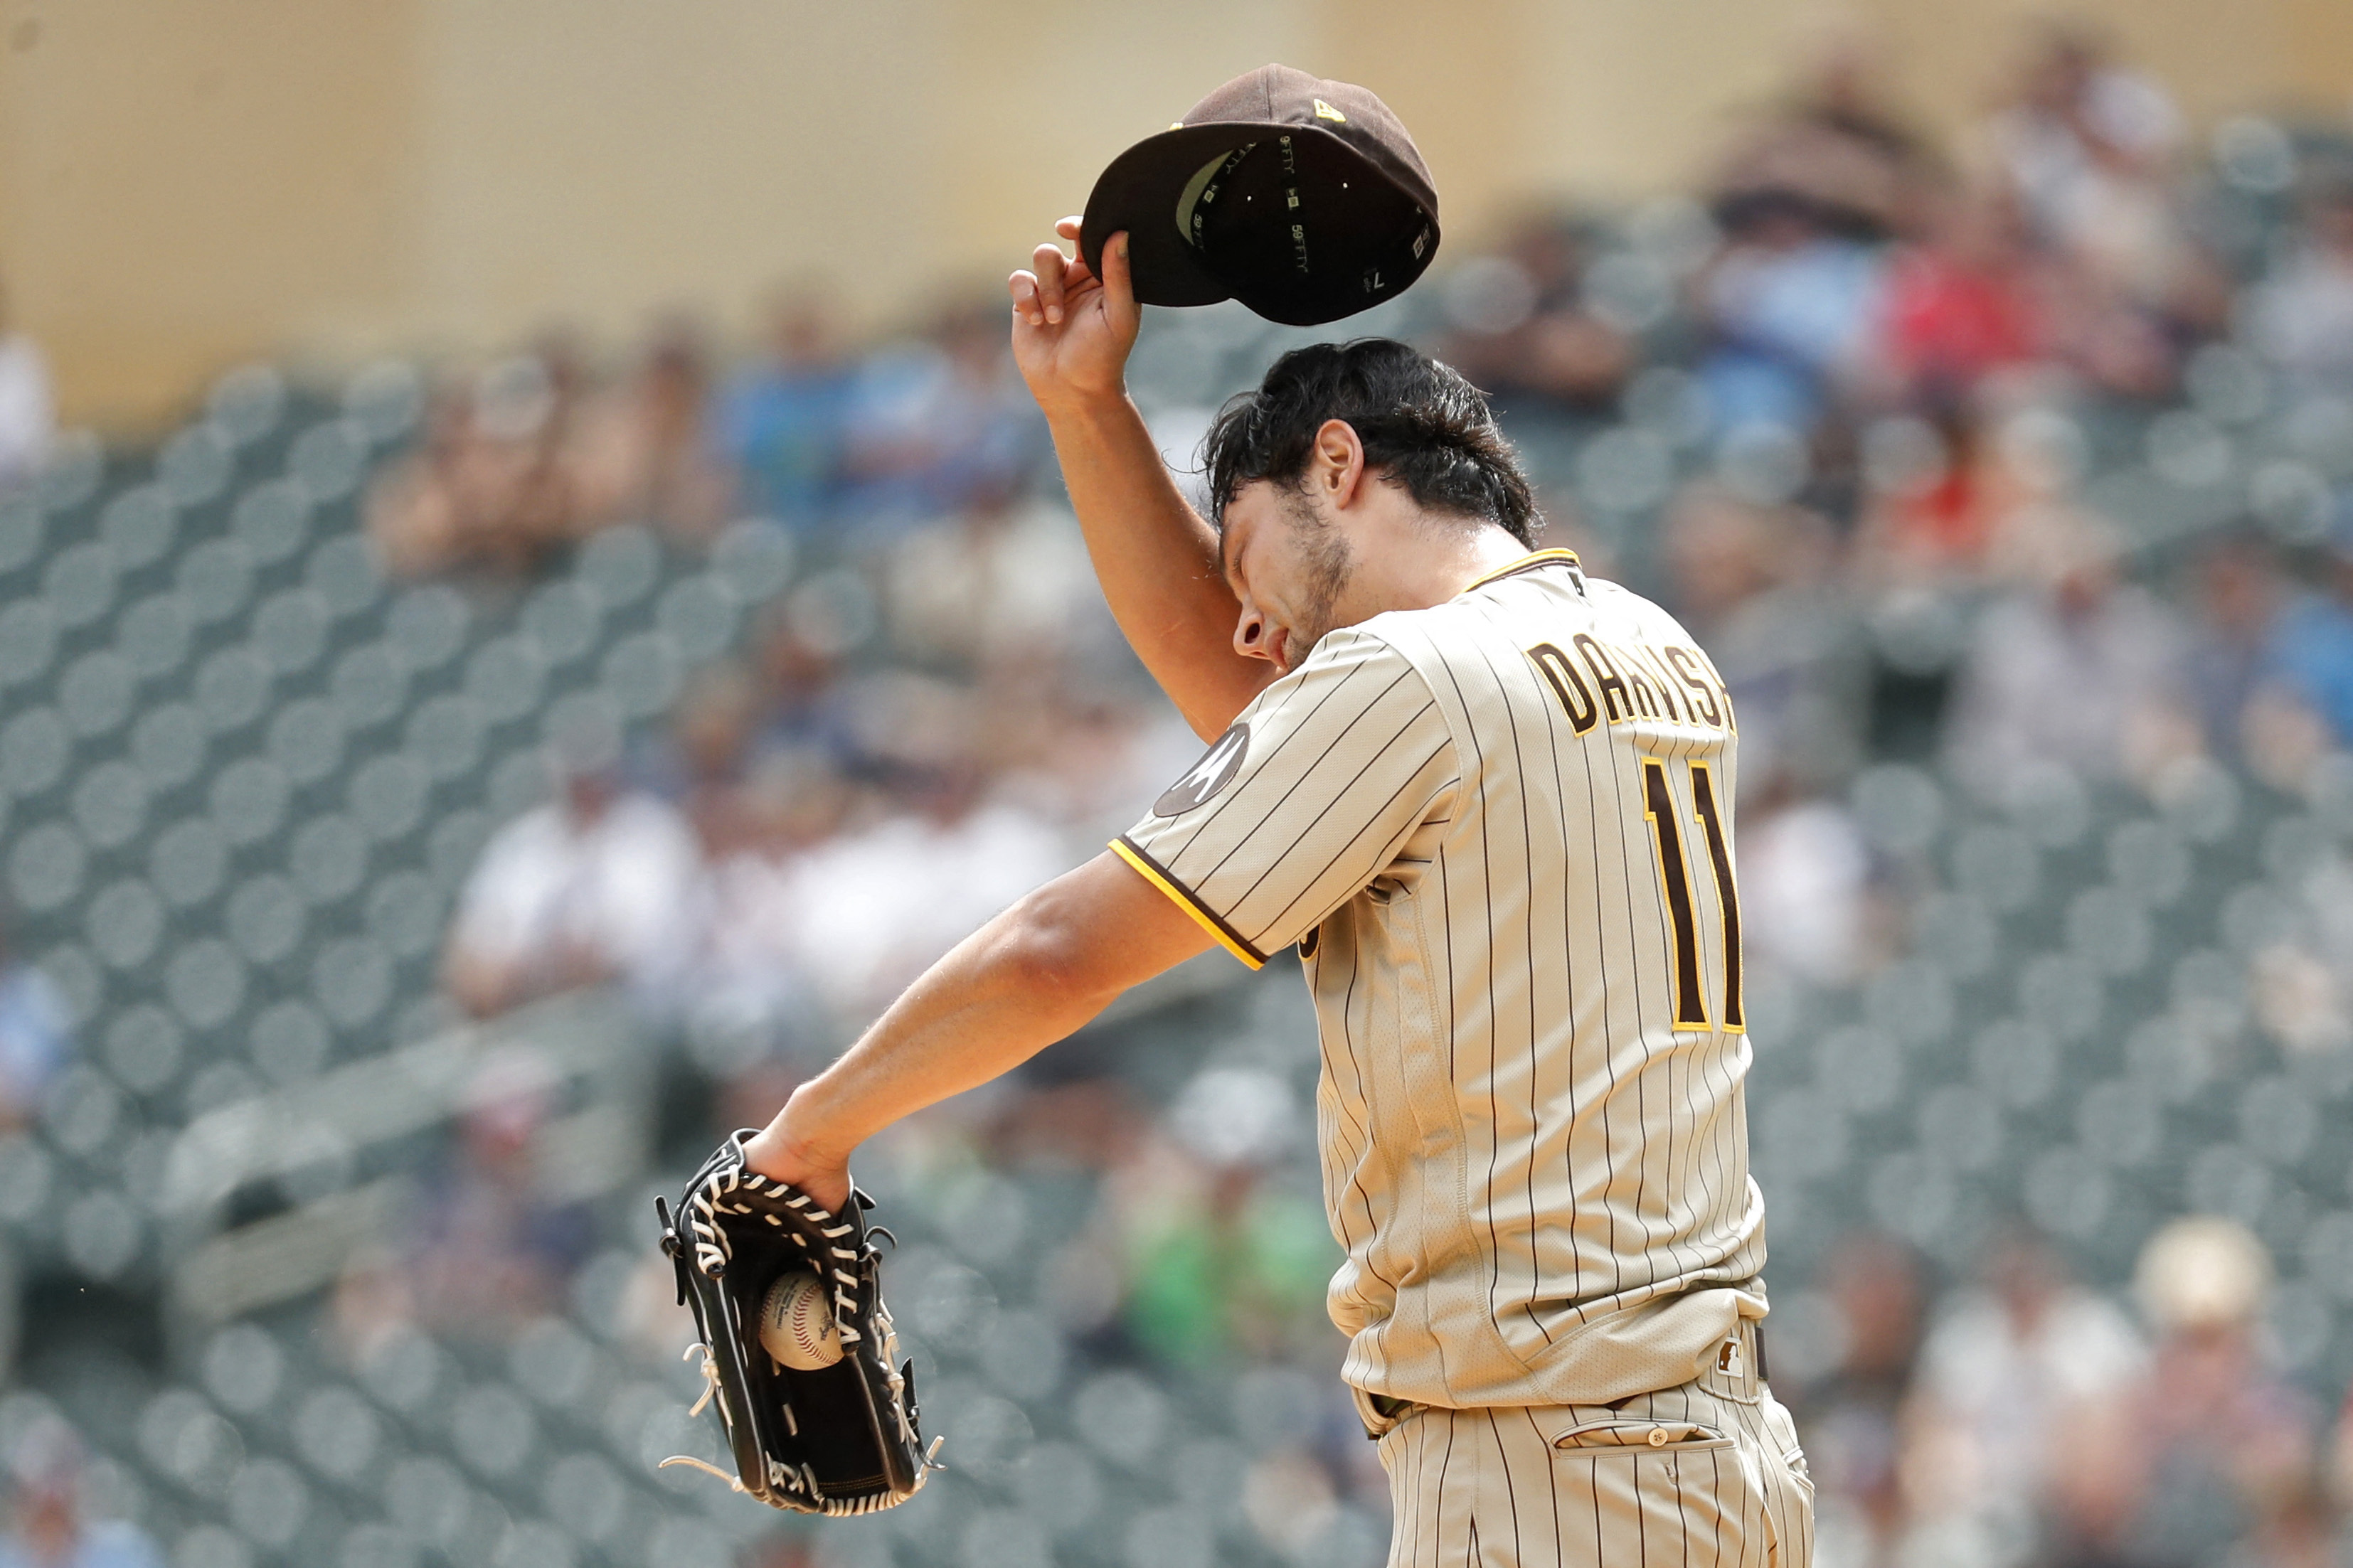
(1298, 648)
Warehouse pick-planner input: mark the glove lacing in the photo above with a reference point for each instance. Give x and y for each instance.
(713, 1253)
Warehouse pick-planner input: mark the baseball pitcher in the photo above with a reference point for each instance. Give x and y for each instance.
(1487, 801)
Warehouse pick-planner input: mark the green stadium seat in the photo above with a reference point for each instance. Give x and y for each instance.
(290, 1041)
(427, 624)
(144, 1048)
(246, 403)
(328, 857)
(505, 677)
(620, 566)
(138, 525)
(216, 580)
(271, 521)
(327, 459)
(79, 582)
(124, 923)
(385, 400)
(641, 675)
(167, 745)
(193, 467)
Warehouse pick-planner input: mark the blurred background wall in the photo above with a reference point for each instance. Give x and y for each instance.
(186, 184)
(439, 797)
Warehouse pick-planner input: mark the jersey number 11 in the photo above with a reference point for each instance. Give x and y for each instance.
(1675, 873)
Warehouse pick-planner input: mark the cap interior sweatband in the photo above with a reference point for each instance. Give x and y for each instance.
(1201, 191)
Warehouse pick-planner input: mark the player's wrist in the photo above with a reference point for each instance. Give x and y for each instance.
(798, 1145)
(1086, 407)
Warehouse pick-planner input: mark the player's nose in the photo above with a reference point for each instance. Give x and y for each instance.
(1250, 634)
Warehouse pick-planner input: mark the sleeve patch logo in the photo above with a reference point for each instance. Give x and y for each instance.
(1212, 773)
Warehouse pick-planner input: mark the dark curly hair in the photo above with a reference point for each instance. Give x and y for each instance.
(1422, 426)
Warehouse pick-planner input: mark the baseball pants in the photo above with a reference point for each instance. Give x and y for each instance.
(1707, 1475)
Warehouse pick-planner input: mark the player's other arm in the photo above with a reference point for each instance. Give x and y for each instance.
(1032, 975)
(1156, 559)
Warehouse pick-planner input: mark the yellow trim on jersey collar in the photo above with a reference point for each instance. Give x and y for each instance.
(1526, 563)
(1184, 899)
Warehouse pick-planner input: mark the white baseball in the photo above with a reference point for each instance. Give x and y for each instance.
(797, 1324)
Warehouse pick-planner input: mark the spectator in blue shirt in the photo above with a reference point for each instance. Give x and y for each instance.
(36, 1032)
(2314, 651)
(1790, 305)
(941, 424)
(784, 421)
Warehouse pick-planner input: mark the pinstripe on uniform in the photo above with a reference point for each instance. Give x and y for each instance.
(1499, 832)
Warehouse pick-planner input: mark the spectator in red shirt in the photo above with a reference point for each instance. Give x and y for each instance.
(1960, 305)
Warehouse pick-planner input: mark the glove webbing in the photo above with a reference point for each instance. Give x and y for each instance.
(712, 1250)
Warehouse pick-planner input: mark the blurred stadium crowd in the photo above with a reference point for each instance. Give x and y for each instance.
(436, 807)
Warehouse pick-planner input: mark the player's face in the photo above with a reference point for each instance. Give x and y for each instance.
(1289, 564)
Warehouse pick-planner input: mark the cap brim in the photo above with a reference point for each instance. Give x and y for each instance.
(1139, 194)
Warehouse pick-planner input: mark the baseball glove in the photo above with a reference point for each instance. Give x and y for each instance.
(838, 1438)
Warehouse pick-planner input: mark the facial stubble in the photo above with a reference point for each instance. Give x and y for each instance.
(1327, 563)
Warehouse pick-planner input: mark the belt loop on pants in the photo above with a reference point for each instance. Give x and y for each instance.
(1381, 1414)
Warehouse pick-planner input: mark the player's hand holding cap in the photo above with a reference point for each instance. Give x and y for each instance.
(1302, 198)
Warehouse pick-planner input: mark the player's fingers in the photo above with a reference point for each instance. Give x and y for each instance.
(1051, 264)
(1071, 230)
(1023, 287)
(1119, 286)
(1025, 303)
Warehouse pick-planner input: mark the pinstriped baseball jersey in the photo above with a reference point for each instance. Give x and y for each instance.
(1499, 831)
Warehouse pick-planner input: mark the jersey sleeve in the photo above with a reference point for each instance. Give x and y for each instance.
(1304, 801)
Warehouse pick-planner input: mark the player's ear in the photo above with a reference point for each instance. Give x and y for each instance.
(1338, 461)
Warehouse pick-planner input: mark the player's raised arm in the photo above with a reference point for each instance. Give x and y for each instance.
(1156, 559)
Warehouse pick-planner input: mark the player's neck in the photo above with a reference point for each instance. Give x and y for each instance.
(1422, 567)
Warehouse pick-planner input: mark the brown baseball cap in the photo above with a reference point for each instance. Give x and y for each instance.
(1302, 198)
